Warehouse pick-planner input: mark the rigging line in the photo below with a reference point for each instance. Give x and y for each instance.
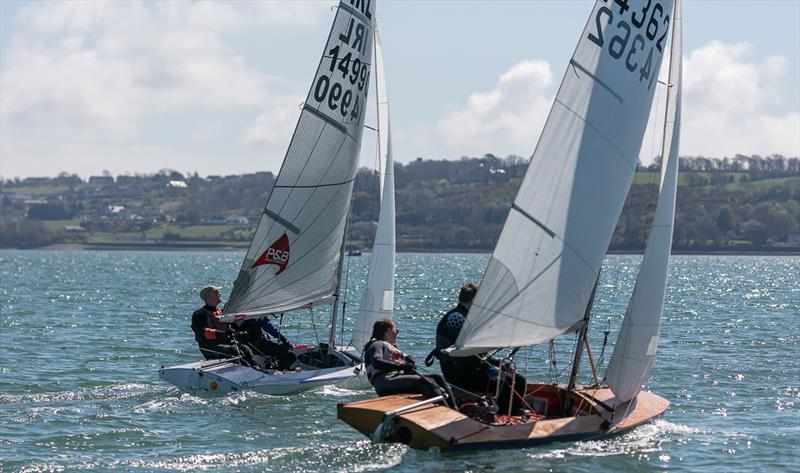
(314, 324)
(348, 225)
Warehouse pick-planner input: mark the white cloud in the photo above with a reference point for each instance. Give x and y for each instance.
(732, 104)
(506, 119)
(88, 73)
(273, 129)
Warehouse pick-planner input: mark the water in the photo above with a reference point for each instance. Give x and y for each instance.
(83, 334)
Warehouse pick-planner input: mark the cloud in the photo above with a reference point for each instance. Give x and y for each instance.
(273, 128)
(506, 119)
(732, 103)
(102, 72)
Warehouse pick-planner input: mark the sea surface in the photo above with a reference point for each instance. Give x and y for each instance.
(82, 335)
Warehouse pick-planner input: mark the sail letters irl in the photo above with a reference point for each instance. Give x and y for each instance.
(277, 253)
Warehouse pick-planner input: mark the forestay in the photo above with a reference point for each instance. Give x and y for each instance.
(636, 344)
(293, 258)
(378, 301)
(541, 274)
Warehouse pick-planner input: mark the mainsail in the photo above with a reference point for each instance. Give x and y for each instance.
(636, 344)
(378, 299)
(294, 256)
(541, 274)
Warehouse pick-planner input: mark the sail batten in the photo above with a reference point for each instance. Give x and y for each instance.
(635, 348)
(537, 287)
(293, 257)
(378, 299)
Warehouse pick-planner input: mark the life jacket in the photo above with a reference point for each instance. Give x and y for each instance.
(213, 323)
(443, 339)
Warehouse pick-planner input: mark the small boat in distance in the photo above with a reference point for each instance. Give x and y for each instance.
(295, 258)
(543, 275)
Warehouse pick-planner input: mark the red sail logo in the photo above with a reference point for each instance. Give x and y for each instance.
(277, 253)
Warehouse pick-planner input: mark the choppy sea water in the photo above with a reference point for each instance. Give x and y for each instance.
(83, 333)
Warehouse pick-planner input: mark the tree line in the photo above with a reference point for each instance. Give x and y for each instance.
(744, 202)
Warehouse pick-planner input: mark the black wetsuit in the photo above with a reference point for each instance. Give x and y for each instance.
(214, 337)
(473, 373)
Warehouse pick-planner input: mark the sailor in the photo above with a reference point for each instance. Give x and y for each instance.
(279, 354)
(216, 339)
(476, 373)
(390, 371)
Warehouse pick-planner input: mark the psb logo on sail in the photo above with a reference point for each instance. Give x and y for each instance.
(277, 254)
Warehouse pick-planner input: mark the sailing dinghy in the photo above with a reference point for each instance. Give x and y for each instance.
(542, 277)
(295, 258)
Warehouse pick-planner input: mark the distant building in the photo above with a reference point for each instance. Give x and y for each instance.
(177, 184)
(237, 220)
(73, 229)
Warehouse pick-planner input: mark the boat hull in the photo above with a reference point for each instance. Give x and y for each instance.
(219, 377)
(596, 414)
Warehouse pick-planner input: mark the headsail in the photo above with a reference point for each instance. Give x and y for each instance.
(541, 274)
(378, 299)
(636, 344)
(293, 258)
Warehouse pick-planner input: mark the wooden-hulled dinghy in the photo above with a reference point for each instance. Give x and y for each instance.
(595, 414)
(543, 274)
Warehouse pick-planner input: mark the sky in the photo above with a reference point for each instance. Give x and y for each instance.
(216, 88)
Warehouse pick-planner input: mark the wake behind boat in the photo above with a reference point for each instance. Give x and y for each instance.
(295, 258)
(542, 278)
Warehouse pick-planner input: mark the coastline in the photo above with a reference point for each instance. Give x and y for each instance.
(230, 246)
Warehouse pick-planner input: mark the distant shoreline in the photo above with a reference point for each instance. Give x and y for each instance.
(242, 247)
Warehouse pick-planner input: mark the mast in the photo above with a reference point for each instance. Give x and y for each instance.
(576, 360)
(335, 311)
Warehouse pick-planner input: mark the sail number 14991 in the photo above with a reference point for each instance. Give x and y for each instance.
(652, 24)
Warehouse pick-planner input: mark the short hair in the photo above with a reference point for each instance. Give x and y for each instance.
(380, 327)
(467, 293)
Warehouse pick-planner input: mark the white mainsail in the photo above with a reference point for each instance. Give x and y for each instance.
(636, 344)
(378, 301)
(294, 256)
(541, 274)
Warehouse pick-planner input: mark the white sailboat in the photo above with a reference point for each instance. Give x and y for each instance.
(378, 300)
(295, 258)
(542, 276)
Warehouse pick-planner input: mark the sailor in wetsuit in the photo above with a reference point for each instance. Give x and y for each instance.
(215, 338)
(279, 355)
(476, 373)
(390, 371)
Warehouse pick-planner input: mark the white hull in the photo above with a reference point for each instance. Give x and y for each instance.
(225, 376)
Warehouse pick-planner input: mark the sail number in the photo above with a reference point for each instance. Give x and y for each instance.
(343, 85)
(628, 44)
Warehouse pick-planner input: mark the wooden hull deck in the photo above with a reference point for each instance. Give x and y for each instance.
(594, 414)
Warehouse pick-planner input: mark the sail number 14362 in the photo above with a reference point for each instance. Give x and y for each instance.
(651, 24)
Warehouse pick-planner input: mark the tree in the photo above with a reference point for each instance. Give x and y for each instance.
(725, 219)
(755, 231)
